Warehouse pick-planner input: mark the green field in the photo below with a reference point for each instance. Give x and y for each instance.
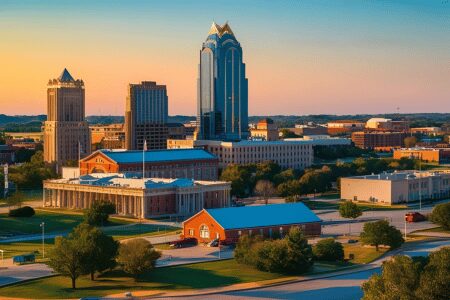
(363, 255)
(194, 276)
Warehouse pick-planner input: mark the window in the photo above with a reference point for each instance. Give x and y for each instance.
(204, 232)
(191, 232)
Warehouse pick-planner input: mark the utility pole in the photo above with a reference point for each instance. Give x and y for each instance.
(420, 181)
(43, 239)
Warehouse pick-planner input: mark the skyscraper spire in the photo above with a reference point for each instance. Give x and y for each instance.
(65, 76)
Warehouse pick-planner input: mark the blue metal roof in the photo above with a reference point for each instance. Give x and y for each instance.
(263, 215)
(135, 156)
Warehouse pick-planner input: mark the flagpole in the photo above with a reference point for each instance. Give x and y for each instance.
(143, 159)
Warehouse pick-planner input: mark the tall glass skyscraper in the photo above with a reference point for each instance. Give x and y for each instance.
(222, 112)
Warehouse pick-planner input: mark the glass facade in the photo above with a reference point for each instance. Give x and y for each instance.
(222, 87)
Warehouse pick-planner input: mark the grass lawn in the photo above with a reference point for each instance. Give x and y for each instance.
(435, 229)
(136, 230)
(194, 276)
(12, 249)
(54, 222)
(313, 204)
(363, 255)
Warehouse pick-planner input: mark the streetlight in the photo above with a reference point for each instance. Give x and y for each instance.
(43, 239)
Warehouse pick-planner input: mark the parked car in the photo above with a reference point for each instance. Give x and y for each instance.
(227, 242)
(414, 217)
(183, 243)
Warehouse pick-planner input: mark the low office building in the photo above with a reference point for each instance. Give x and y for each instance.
(288, 154)
(382, 124)
(110, 136)
(302, 129)
(427, 130)
(397, 187)
(424, 154)
(7, 154)
(265, 130)
(137, 197)
(230, 223)
(323, 140)
(195, 164)
(378, 140)
(343, 127)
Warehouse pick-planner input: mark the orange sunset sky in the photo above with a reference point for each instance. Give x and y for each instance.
(302, 57)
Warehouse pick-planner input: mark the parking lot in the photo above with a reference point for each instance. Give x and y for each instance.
(193, 254)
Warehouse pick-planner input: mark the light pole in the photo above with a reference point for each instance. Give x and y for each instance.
(43, 239)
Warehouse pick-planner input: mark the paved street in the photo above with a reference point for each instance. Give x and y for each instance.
(193, 255)
(345, 286)
(23, 272)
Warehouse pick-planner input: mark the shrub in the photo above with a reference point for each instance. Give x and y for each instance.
(441, 215)
(98, 213)
(328, 250)
(25, 212)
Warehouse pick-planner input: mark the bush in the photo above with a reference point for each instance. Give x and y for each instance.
(328, 250)
(25, 212)
(292, 254)
(98, 213)
(441, 215)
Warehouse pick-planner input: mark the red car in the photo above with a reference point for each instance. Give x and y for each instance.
(183, 243)
(414, 217)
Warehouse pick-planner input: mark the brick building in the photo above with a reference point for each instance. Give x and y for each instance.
(378, 140)
(151, 197)
(342, 127)
(265, 130)
(196, 164)
(424, 154)
(266, 220)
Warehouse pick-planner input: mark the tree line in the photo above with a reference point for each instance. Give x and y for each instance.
(291, 183)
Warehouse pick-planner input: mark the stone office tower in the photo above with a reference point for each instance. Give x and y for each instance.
(222, 112)
(146, 115)
(66, 133)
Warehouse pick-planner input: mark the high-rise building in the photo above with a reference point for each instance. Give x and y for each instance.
(146, 116)
(66, 133)
(222, 91)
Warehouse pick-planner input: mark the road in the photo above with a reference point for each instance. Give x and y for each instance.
(345, 286)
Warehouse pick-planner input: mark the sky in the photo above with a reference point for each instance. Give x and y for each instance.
(302, 57)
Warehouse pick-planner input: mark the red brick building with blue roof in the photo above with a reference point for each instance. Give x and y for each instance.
(197, 164)
(228, 224)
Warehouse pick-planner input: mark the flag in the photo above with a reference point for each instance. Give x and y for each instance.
(145, 145)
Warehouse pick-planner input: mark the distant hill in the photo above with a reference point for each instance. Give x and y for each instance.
(33, 123)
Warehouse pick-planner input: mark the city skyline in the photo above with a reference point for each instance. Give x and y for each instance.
(302, 58)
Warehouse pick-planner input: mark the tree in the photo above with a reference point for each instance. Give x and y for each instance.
(99, 249)
(137, 256)
(381, 233)
(300, 255)
(435, 278)
(264, 189)
(292, 254)
(349, 210)
(328, 250)
(66, 258)
(398, 280)
(239, 177)
(98, 213)
(441, 215)
(410, 141)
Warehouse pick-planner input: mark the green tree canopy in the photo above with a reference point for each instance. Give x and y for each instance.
(98, 213)
(100, 250)
(328, 250)
(137, 256)
(381, 233)
(441, 215)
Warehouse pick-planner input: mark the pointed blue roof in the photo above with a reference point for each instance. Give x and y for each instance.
(65, 76)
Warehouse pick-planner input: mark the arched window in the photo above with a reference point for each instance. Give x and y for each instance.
(204, 232)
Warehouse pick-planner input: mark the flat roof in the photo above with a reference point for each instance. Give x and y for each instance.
(126, 180)
(153, 156)
(263, 215)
